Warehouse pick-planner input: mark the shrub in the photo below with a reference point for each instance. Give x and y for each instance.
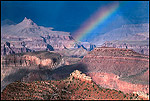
(120, 91)
(130, 97)
(68, 85)
(124, 95)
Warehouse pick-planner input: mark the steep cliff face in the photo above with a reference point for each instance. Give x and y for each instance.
(120, 69)
(32, 58)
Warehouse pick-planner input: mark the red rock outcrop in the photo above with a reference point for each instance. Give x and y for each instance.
(120, 69)
(78, 75)
(37, 61)
(67, 89)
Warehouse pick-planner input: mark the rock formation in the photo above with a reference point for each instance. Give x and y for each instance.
(78, 52)
(28, 66)
(138, 42)
(133, 36)
(67, 89)
(124, 32)
(120, 69)
(27, 36)
(31, 58)
(78, 75)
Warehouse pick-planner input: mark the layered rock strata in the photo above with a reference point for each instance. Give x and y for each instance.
(121, 69)
(28, 66)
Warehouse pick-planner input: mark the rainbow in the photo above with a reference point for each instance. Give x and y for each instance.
(98, 18)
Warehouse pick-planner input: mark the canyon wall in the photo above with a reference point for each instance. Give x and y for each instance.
(120, 69)
(28, 66)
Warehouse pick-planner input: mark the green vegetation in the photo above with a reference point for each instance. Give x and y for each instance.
(120, 91)
(124, 95)
(68, 85)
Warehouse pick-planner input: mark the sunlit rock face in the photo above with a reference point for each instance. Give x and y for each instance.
(120, 69)
(79, 75)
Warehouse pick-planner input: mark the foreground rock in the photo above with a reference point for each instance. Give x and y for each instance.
(74, 87)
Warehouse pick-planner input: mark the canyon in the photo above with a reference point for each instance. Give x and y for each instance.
(32, 53)
(113, 68)
(27, 36)
(132, 36)
(121, 69)
(138, 42)
(18, 66)
(76, 87)
(122, 33)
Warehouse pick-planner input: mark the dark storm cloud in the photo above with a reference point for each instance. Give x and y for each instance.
(68, 16)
